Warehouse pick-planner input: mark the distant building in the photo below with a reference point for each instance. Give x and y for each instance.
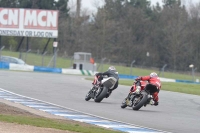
(84, 61)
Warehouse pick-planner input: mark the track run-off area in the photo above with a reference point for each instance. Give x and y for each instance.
(176, 113)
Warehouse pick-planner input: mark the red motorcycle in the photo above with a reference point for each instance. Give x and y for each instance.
(139, 95)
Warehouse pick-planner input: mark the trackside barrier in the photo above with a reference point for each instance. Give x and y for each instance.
(127, 76)
(161, 79)
(21, 67)
(47, 69)
(79, 72)
(18, 67)
(134, 77)
(10, 66)
(4, 65)
(187, 81)
(167, 80)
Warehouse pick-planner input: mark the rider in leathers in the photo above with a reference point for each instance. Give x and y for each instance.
(154, 80)
(111, 72)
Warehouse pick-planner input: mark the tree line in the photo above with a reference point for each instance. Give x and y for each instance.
(125, 30)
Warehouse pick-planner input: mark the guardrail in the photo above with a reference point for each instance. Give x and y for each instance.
(134, 77)
(10, 66)
(161, 79)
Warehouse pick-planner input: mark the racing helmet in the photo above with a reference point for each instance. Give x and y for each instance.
(111, 68)
(153, 74)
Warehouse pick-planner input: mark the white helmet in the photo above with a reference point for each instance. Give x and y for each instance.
(111, 68)
(153, 74)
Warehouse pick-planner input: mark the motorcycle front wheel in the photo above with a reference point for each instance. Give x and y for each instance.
(124, 104)
(141, 101)
(87, 97)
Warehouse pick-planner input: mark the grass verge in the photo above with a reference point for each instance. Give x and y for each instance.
(62, 62)
(175, 87)
(49, 123)
(170, 86)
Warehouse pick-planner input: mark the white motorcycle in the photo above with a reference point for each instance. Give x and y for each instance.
(101, 90)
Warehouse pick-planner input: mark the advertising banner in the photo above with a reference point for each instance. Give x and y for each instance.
(28, 22)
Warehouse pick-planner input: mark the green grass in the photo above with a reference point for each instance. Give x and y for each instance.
(49, 123)
(175, 87)
(169, 86)
(182, 88)
(140, 72)
(61, 62)
(36, 59)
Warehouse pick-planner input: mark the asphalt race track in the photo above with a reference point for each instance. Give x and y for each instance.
(177, 113)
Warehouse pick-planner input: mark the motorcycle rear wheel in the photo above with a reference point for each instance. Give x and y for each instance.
(101, 95)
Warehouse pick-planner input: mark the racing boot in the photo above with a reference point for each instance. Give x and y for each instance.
(151, 102)
(156, 103)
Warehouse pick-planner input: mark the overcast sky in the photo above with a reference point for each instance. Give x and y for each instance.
(91, 5)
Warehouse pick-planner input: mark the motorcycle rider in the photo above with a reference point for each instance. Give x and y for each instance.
(111, 72)
(155, 81)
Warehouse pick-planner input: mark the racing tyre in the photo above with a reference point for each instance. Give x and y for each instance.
(124, 104)
(87, 97)
(101, 94)
(141, 101)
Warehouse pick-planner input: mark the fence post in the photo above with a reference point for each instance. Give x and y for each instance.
(55, 44)
(131, 67)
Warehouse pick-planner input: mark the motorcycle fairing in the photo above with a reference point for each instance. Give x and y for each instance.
(109, 82)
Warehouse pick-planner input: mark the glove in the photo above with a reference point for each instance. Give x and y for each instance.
(97, 74)
(138, 78)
